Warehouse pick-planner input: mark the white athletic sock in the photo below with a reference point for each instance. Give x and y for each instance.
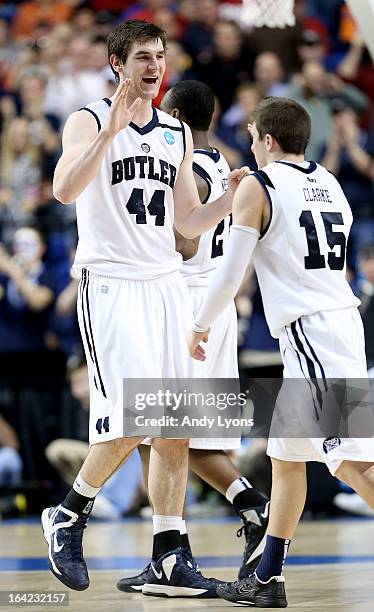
(239, 485)
(166, 523)
(183, 528)
(81, 487)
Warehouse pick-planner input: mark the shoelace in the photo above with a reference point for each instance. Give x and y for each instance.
(244, 581)
(245, 528)
(240, 531)
(189, 564)
(76, 539)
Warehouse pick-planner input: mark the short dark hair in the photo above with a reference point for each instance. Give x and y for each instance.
(123, 36)
(195, 101)
(286, 120)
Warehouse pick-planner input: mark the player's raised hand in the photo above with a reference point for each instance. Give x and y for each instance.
(235, 176)
(194, 338)
(120, 113)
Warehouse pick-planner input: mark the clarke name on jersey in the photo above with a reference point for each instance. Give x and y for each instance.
(313, 194)
(143, 166)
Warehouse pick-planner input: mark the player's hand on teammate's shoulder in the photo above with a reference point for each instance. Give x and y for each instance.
(235, 176)
(194, 338)
(120, 113)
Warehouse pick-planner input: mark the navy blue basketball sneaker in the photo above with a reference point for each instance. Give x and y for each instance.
(252, 592)
(174, 576)
(134, 584)
(63, 530)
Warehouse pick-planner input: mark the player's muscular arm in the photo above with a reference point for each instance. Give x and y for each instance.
(188, 247)
(84, 148)
(249, 216)
(191, 217)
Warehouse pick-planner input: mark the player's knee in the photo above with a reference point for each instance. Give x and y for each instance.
(349, 470)
(172, 445)
(287, 467)
(121, 446)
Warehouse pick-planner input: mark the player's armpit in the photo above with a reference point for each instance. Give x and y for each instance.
(202, 188)
(250, 206)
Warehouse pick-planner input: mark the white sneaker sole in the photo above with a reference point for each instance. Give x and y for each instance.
(163, 590)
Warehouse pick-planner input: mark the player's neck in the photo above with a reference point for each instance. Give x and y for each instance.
(144, 113)
(290, 157)
(200, 140)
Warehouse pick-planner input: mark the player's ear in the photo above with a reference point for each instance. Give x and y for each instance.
(269, 142)
(116, 63)
(175, 113)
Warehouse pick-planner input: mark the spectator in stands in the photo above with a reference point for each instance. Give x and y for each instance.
(233, 127)
(8, 52)
(27, 290)
(19, 177)
(350, 156)
(84, 20)
(281, 41)
(178, 64)
(198, 36)
(30, 14)
(316, 92)
(311, 47)
(76, 84)
(44, 127)
(357, 67)
(229, 65)
(269, 74)
(10, 460)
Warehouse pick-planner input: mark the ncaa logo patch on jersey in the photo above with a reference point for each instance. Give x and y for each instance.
(330, 443)
(169, 137)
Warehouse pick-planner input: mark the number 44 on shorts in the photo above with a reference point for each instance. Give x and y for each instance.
(102, 424)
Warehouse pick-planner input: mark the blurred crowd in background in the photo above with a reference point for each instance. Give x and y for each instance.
(53, 61)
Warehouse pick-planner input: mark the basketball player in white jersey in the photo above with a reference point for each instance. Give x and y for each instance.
(193, 103)
(129, 168)
(293, 220)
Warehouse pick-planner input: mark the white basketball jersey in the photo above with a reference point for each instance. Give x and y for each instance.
(214, 169)
(300, 257)
(125, 215)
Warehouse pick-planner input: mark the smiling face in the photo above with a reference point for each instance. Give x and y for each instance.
(145, 66)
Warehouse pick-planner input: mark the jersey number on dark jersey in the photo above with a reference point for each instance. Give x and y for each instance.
(156, 207)
(315, 259)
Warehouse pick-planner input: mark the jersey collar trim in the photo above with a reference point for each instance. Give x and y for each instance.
(214, 154)
(146, 128)
(312, 166)
(141, 130)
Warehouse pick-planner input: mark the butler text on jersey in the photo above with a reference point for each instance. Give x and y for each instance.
(143, 166)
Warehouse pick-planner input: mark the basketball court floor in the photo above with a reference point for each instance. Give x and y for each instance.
(330, 565)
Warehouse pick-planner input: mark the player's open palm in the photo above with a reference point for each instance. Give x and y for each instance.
(120, 113)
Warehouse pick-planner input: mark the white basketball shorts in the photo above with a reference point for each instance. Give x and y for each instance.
(131, 329)
(316, 348)
(221, 360)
